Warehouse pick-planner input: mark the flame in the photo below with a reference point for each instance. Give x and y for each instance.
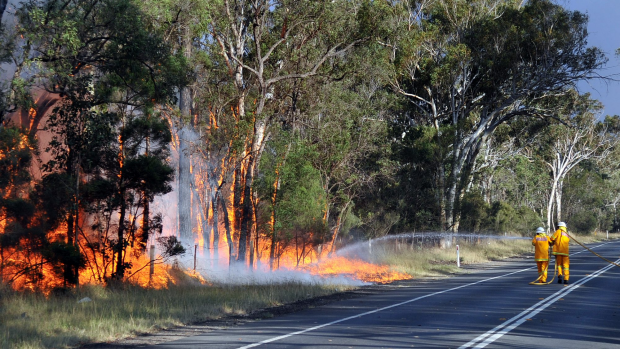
(355, 268)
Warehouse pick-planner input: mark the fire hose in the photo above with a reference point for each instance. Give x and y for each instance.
(596, 254)
(555, 273)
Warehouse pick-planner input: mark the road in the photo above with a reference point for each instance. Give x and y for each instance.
(493, 308)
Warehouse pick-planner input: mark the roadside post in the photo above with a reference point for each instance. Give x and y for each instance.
(458, 259)
(152, 269)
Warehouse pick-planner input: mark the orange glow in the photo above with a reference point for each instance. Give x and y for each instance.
(358, 269)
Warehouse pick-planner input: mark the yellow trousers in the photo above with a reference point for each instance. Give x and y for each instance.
(562, 262)
(542, 270)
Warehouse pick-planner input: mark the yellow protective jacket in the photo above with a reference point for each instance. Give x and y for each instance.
(541, 244)
(560, 242)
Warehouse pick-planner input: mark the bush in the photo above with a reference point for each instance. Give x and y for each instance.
(583, 222)
(474, 211)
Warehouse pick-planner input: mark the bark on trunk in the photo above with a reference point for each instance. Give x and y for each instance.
(558, 201)
(227, 227)
(246, 219)
(216, 231)
(554, 187)
(120, 268)
(184, 207)
(145, 205)
(185, 105)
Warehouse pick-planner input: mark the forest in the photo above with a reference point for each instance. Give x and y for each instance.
(271, 133)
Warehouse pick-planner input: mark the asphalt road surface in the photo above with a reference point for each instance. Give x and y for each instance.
(493, 308)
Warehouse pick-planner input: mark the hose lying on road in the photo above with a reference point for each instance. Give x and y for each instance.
(598, 255)
(555, 272)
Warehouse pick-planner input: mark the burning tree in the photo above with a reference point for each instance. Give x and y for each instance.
(108, 147)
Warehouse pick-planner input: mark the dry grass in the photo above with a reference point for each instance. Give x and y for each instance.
(34, 321)
(428, 262)
(594, 237)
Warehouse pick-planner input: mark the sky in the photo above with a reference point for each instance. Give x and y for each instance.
(604, 33)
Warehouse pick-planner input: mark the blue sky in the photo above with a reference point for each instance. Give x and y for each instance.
(604, 33)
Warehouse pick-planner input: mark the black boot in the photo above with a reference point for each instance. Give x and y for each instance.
(559, 279)
(565, 282)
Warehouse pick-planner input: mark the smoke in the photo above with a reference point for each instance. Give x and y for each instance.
(237, 274)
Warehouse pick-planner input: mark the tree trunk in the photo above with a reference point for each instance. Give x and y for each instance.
(554, 187)
(120, 268)
(442, 198)
(216, 231)
(558, 201)
(184, 207)
(337, 227)
(246, 219)
(274, 196)
(76, 271)
(227, 227)
(185, 106)
(236, 205)
(452, 195)
(145, 205)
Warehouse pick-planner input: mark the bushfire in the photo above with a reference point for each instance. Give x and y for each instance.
(78, 236)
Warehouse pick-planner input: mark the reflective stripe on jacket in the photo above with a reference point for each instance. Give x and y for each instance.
(541, 244)
(560, 242)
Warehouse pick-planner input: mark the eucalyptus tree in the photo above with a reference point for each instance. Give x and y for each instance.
(184, 26)
(265, 44)
(582, 138)
(468, 67)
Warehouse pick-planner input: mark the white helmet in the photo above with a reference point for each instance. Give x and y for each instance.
(562, 224)
(540, 230)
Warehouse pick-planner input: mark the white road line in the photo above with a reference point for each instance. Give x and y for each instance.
(385, 308)
(496, 333)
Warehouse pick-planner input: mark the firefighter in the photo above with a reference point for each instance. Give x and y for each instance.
(541, 254)
(560, 240)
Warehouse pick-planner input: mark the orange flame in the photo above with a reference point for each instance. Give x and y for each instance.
(358, 269)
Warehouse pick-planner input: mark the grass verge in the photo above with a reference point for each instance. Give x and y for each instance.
(420, 261)
(32, 321)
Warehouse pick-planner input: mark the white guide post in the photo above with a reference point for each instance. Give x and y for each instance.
(458, 259)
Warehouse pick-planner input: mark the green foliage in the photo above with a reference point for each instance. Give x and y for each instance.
(64, 258)
(583, 222)
(474, 212)
(16, 153)
(300, 199)
(103, 48)
(585, 194)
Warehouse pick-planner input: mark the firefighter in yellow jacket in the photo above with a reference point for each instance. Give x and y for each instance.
(560, 241)
(541, 254)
